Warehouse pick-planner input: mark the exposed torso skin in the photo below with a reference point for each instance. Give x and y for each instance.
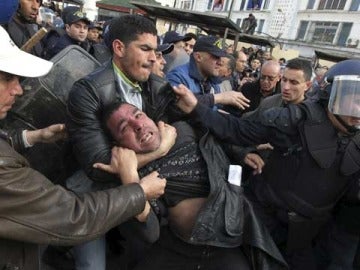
(182, 217)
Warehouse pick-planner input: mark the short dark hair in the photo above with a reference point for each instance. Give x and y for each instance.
(192, 35)
(108, 112)
(301, 64)
(128, 27)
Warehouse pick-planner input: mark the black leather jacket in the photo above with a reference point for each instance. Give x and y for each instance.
(228, 218)
(86, 101)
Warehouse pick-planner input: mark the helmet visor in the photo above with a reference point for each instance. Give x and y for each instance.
(345, 96)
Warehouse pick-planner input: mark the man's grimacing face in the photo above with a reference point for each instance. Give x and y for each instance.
(133, 129)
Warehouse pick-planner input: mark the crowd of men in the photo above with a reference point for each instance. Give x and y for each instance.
(158, 132)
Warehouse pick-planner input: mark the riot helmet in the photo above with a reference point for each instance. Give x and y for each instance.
(341, 84)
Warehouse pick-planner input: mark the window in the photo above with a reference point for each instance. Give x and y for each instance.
(254, 4)
(310, 4)
(266, 4)
(354, 5)
(218, 5)
(344, 34)
(302, 30)
(332, 4)
(260, 26)
(324, 32)
(209, 4)
(185, 4)
(227, 5)
(242, 5)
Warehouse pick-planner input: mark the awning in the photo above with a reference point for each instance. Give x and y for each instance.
(335, 56)
(200, 19)
(75, 2)
(211, 23)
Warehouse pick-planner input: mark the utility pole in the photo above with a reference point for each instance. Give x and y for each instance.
(227, 29)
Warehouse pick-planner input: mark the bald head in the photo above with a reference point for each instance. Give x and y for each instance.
(271, 65)
(269, 77)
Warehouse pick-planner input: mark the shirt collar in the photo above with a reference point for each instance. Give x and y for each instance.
(135, 86)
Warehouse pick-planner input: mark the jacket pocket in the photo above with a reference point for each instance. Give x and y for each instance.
(234, 210)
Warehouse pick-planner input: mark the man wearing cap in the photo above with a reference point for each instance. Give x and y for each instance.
(22, 26)
(76, 30)
(159, 64)
(35, 211)
(93, 33)
(201, 75)
(178, 56)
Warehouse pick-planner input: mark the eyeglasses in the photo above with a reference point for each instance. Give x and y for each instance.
(269, 78)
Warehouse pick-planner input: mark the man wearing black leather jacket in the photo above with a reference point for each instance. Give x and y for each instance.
(314, 162)
(133, 42)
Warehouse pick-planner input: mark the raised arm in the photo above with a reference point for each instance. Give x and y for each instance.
(276, 126)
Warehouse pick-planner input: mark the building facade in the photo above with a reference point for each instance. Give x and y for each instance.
(301, 25)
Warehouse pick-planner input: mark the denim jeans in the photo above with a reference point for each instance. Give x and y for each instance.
(90, 255)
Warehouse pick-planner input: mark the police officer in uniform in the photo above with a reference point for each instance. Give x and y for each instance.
(340, 242)
(315, 161)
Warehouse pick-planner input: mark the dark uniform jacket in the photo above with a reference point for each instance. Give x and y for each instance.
(35, 211)
(63, 42)
(310, 168)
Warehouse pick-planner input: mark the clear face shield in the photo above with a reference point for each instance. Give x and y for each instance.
(345, 96)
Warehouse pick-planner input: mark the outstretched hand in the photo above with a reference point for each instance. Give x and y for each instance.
(49, 134)
(233, 98)
(186, 100)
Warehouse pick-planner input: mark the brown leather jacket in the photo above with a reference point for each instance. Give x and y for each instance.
(35, 211)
